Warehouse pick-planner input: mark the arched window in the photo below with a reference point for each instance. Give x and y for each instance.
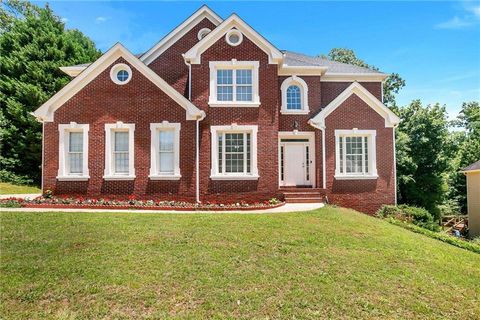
(294, 98)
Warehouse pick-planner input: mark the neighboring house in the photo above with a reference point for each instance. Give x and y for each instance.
(473, 198)
(215, 112)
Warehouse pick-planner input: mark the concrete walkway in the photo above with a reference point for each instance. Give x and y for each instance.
(20, 196)
(289, 207)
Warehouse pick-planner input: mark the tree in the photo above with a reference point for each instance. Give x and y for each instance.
(467, 151)
(422, 160)
(392, 84)
(33, 45)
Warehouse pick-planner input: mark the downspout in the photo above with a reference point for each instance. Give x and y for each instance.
(197, 134)
(395, 163)
(43, 155)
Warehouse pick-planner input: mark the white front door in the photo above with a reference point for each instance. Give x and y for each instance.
(295, 166)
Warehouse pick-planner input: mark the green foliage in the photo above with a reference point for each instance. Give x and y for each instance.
(422, 160)
(392, 84)
(465, 151)
(461, 243)
(10, 203)
(33, 45)
(415, 215)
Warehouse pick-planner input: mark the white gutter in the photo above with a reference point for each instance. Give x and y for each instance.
(197, 137)
(395, 164)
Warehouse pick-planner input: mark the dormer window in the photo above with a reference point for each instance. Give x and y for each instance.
(234, 84)
(294, 96)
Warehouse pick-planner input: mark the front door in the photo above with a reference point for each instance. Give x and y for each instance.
(296, 164)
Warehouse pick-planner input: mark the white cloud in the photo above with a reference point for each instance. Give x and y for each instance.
(64, 20)
(454, 23)
(475, 10)
(100, 19)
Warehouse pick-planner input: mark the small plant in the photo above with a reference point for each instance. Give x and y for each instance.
(48, 194)
(11, 203)
(273, 201)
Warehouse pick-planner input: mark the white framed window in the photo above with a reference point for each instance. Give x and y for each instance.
(234, 152)
(121, 74)
(73, 152)
(294, 96)
(355, 154)
(234, 84)
(202, 33)
(234, 37)
(119, 151)
(165, 151)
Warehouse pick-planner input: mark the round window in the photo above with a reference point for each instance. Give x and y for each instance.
(121, 73)
(202, 33)
(234, 37)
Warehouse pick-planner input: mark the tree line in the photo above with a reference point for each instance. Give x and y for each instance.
(34, 43)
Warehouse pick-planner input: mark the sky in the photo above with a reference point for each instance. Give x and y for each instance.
(434, 46)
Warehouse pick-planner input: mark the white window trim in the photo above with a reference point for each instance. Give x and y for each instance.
(372, 154)
(155, 128)
(202, 33)
(118, 67)
(63, 174)
(233, 64)
(294, 80)
(109, 173)
(235, 32)
(215, 130)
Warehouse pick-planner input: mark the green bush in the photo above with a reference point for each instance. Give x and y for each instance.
(418, 216)
(7, 176)
(10, 203)
(458, 242)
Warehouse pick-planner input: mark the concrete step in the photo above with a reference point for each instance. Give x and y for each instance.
(304, 200)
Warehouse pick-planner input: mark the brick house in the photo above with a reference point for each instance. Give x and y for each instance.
(215, 112)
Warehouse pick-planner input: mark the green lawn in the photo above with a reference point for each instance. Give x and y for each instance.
(333, 263)
(7, 188)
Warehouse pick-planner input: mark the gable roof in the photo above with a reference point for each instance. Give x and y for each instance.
(177, 33)
(473, 167)
(46, 111)
(391, 119)
(234, 21)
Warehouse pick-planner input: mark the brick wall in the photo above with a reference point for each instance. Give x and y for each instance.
(364, 195)
(139, 102)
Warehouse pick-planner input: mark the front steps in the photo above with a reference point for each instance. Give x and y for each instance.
(302, 195)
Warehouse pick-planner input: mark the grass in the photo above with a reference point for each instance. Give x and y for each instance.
(8, 188)
(328, 263)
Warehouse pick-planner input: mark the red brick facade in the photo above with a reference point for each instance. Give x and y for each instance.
(141, 102)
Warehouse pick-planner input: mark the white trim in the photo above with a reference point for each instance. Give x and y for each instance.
(234, 32)
(324, 163)
(110, 129)
(155, 128)
(63, 146)
(46, 111)
(119, 67)
(350, 77)
(194, 54)
(310, 135)
(203, 32)
(391, 119)
(197, 161)
(233, 65)
(372, 154)
(294, 80)
(234, 128)
(73, 71)
(177, 33)
(286, 70)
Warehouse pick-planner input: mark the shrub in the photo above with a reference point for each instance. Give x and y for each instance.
(7, 176)
(418, 216)
(11, 203)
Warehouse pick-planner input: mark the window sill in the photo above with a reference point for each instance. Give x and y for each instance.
(234, 177)
(118, 177)
(165, 177)
(354, 177)
(231, 104)
(73, 178)
(299, 112)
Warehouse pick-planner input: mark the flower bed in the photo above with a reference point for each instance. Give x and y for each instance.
(132, 203)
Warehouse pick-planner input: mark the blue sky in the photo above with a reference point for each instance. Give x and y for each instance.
(434, 46)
